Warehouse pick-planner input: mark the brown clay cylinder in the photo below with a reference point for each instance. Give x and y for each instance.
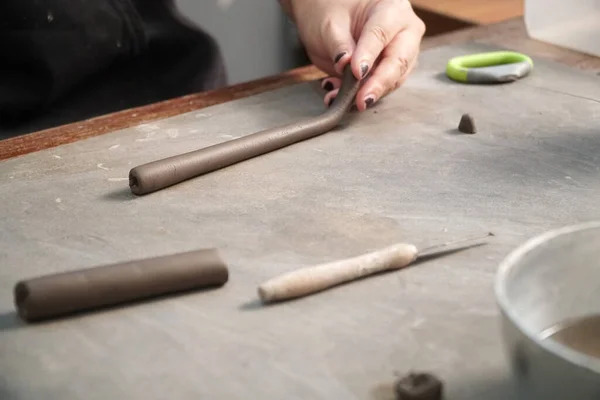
(64, 293)
(160, 174)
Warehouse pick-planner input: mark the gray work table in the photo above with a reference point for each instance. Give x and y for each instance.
(398, 172)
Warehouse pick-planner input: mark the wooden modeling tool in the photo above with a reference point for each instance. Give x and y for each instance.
(310, 280)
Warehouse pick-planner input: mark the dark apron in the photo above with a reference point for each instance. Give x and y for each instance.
(67, 60)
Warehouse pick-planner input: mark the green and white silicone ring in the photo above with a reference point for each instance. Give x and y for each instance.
(491, 67)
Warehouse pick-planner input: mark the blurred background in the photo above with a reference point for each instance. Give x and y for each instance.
(254, 35)
(257, 40)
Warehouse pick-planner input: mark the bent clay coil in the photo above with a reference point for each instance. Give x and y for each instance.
(163, 173)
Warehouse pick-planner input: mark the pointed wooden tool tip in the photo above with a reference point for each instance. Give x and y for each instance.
(467, 124)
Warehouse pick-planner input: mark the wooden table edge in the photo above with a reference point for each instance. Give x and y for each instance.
(72, 132)
(65, 134)
(430, 9)
(459, 14)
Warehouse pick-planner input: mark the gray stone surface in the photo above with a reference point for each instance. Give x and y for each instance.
(398, 172)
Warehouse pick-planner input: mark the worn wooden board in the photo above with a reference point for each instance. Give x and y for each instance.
(398, 172)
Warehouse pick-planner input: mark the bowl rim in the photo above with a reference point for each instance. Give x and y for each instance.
(504, 269)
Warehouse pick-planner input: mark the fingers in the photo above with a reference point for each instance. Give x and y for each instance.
(337, 35)
(397, 62)
(386, 50)
(331, 86)
(330, 96)
(328, 84)
(379, 30)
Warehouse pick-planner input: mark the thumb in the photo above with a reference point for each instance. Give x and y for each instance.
(337, 39)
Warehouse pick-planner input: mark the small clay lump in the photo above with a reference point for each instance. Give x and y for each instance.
(467, 124)
(419, 386)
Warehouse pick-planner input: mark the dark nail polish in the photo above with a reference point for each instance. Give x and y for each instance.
(328, 86)
(364, 68)
(369, 101)
(339, 57)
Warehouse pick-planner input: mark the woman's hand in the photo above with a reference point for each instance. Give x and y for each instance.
(380, 38)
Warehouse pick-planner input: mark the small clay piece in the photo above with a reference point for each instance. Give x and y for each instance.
(467, 124)
(64, 293)
(419, 386)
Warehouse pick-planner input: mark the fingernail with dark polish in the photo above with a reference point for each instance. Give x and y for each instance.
(328, 86)
(339, 57)
(369, 101)
(364, 68)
